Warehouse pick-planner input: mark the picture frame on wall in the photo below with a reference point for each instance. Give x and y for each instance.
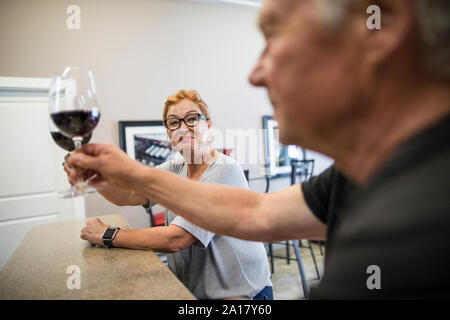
(278, 157)
(145, 141)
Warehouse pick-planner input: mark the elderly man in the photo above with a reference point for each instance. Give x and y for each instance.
(378, 102)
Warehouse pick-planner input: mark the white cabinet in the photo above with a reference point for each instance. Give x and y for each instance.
(30, 164)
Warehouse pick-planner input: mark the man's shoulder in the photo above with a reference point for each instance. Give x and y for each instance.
(416, 178)
(423, 185)
(412, 204)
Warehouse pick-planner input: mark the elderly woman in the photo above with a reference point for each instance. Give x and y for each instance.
(211, 266)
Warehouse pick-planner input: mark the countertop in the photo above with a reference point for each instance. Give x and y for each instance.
(40, 268)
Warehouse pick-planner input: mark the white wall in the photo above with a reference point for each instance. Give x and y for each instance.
(141, 51)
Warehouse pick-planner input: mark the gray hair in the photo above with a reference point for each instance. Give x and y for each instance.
(433, 17)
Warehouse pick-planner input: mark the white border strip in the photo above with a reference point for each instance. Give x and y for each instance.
(255, 4)
(247, 3)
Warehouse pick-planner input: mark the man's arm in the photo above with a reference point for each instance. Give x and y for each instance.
(233, 211)
(221, 209)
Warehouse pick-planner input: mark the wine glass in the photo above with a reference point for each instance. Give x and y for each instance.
(75, 112)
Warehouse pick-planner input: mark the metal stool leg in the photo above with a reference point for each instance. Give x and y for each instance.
(288, 255)
(300, 267)
(152, 219)
(272, 267)
(314, 258)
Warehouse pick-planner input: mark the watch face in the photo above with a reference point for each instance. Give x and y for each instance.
(109, 233)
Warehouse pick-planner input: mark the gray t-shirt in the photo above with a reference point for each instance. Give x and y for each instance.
(217, 266)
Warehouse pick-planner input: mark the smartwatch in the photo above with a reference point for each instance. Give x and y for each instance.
(109, 235)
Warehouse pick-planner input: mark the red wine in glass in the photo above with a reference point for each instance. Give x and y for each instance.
(76, 123)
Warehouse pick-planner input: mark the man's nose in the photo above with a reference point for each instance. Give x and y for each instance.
(256, 77)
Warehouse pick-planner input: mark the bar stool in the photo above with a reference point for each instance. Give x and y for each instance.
(305, 169)
(156, 219)
(295, 244)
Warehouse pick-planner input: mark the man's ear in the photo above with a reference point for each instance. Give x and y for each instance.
(396, 25)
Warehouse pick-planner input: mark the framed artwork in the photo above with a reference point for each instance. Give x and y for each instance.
(278, 156)
(145, 141)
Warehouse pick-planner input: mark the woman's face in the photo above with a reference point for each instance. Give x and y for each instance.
(188, 139)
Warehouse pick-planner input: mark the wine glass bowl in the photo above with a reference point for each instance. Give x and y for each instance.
(76, 124)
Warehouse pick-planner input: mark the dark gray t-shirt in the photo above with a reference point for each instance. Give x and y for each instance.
(390, 239)
(217, 266)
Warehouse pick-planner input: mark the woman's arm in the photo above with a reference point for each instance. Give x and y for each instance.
(121, 197)
(168, 239)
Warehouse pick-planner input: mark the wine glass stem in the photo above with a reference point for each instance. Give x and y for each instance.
(78, 142)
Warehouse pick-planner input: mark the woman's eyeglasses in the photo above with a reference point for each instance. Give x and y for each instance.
(191, 120)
